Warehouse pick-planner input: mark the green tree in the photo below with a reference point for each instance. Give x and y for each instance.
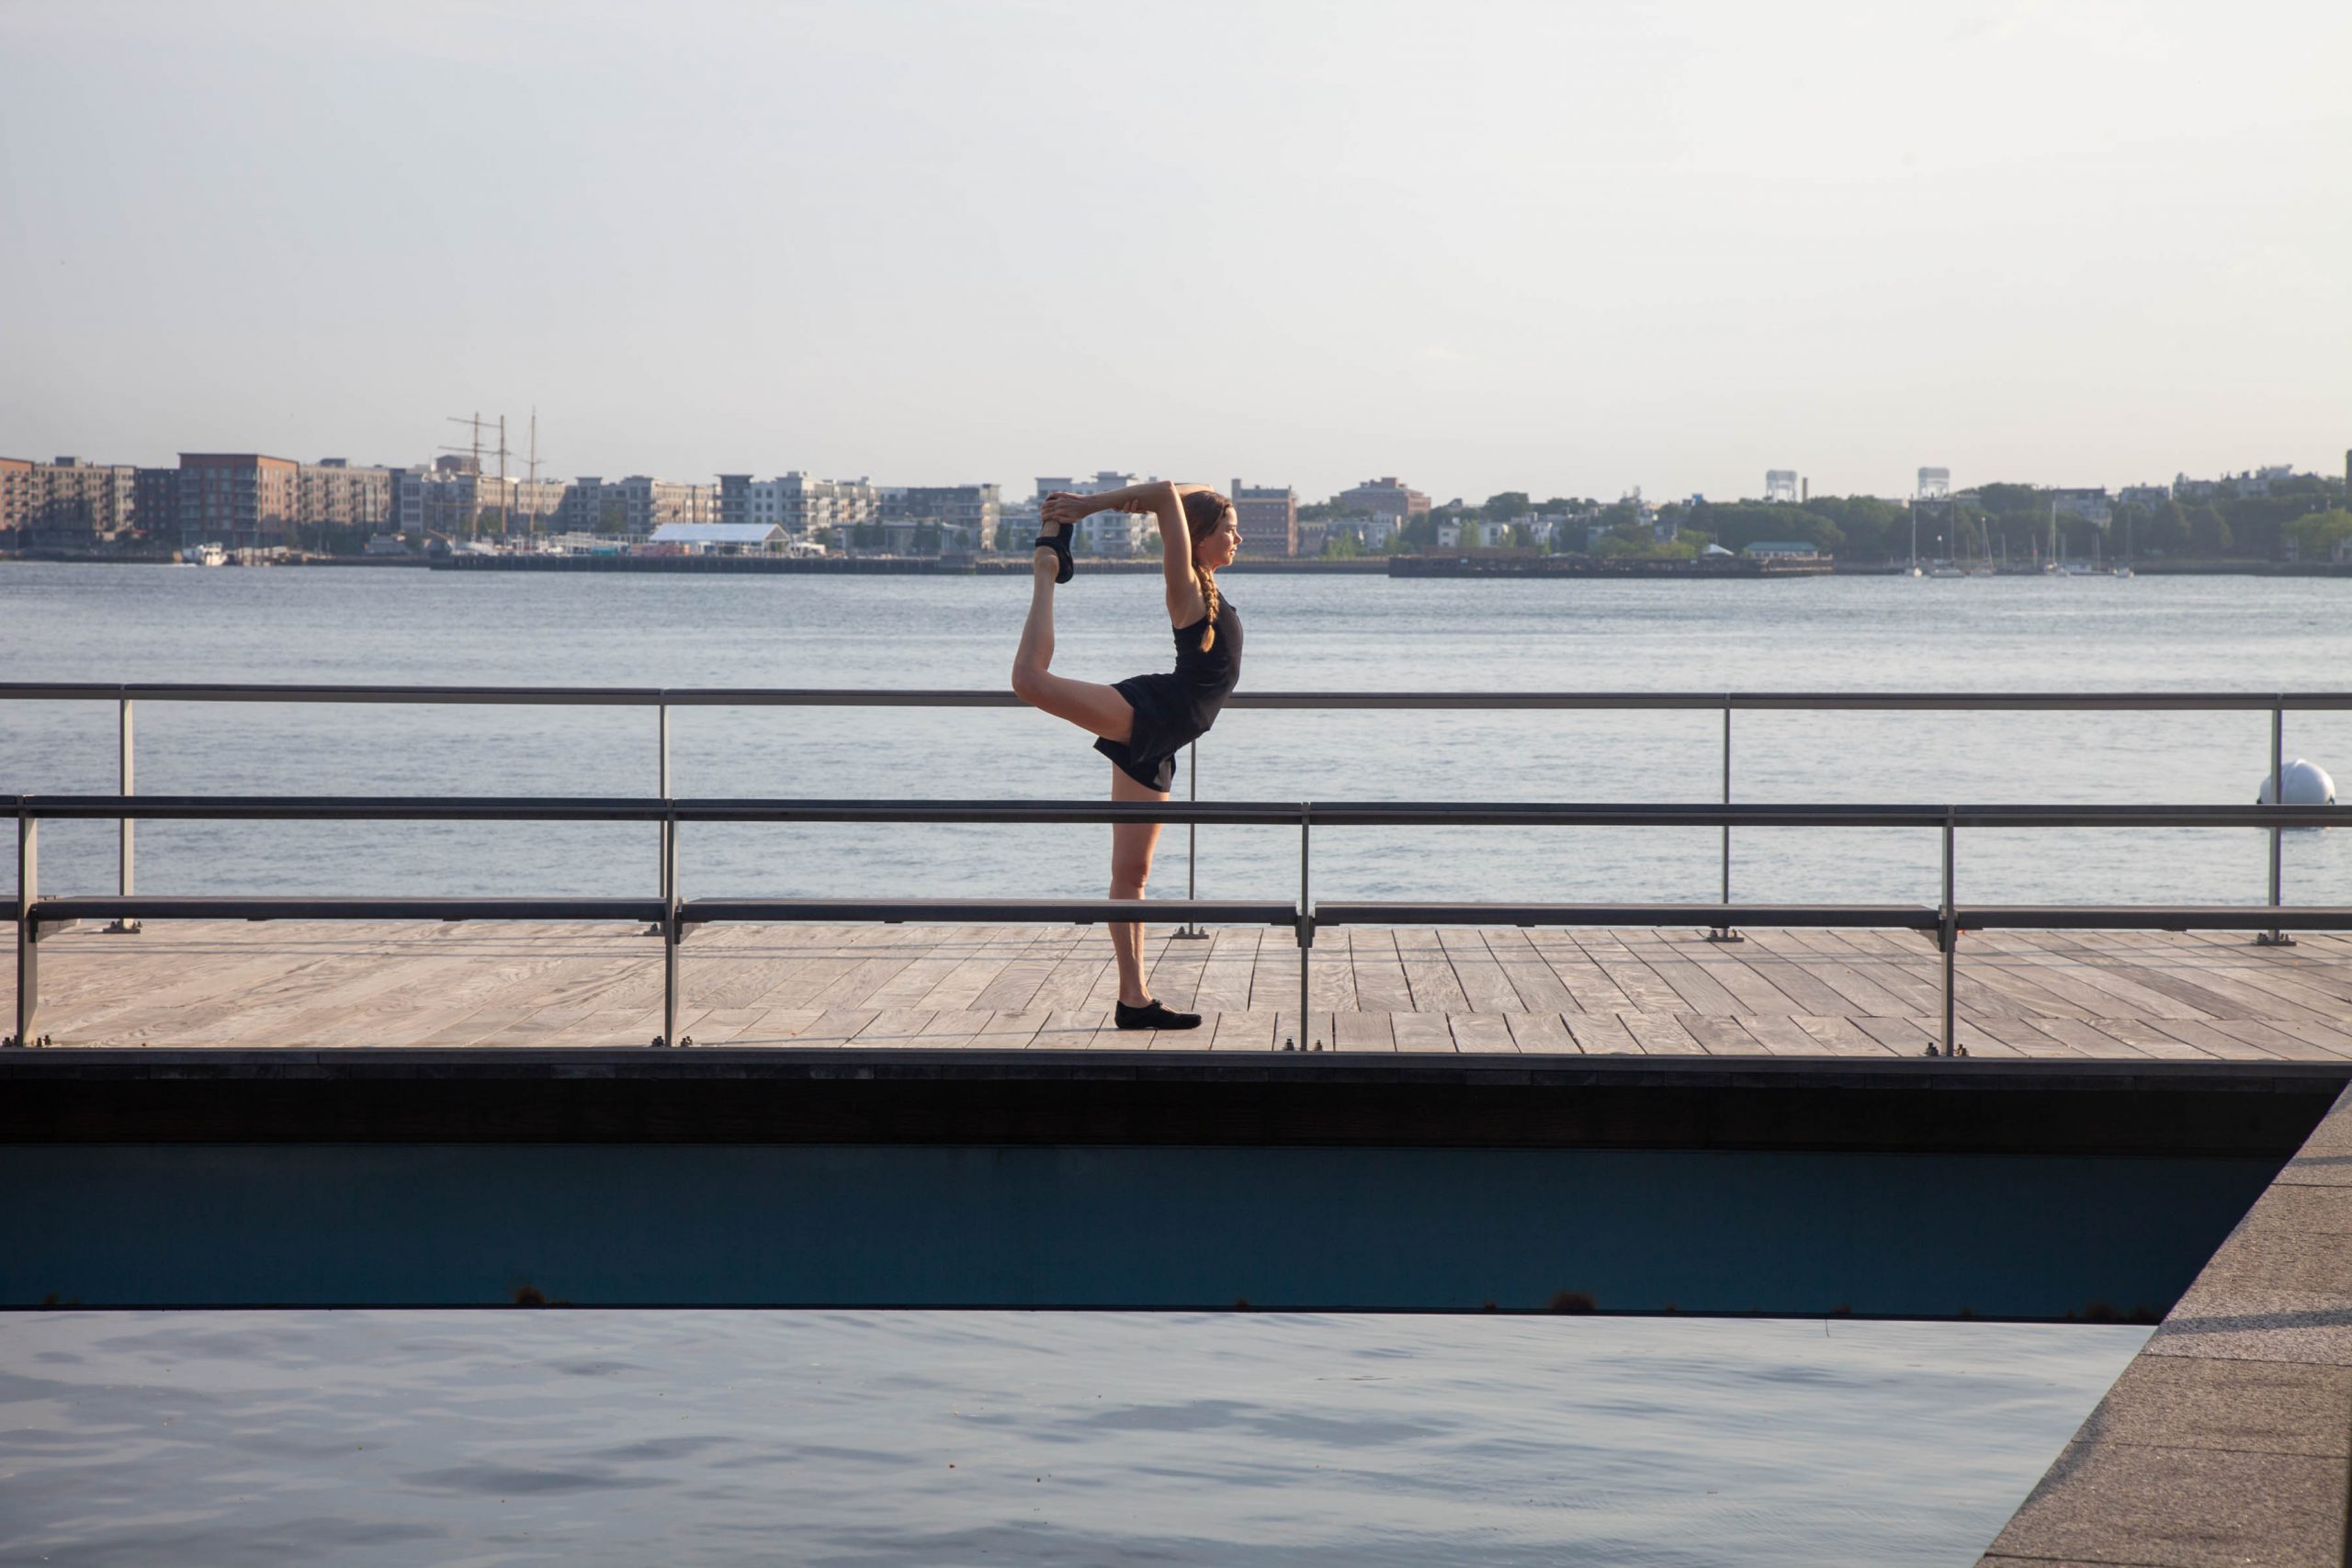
(1511, 503)
(2318, 535)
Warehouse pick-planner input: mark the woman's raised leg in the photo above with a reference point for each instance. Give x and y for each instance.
(1095, 708)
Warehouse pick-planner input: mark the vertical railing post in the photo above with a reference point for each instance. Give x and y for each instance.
(1722, 930)
(1305, 1040)
(1188, 931)
(670, 933)
(669, 863)
(1948, 941)
(2274, 937)
(27, 953)
(125, 879)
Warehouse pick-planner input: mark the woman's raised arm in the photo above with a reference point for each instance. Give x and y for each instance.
(1165, 500)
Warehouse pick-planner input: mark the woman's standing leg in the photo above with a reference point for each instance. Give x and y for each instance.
(1131, 847)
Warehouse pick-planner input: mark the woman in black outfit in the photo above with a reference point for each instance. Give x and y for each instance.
(1143, 721)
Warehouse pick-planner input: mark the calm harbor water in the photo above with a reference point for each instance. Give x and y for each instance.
(511, 1437)
(97, 623)
(968, 1438)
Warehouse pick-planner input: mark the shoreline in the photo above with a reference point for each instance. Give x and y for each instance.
(1489, 567)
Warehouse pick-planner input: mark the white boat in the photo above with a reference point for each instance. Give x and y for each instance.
(211, 555)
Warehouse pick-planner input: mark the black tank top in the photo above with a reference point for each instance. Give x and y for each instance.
(1208, 676)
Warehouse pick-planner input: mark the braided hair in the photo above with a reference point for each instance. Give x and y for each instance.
(1204, 512)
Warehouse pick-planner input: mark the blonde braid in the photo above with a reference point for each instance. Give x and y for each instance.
(1208, 597)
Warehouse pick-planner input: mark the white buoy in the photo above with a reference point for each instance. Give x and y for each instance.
(2305, 783)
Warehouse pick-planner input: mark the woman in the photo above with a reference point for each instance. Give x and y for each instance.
(1142, 722)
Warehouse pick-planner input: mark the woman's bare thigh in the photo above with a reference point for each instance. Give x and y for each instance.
(1093, 708)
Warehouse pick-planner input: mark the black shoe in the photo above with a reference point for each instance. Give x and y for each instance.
(1059, 542)
(1151, 1015)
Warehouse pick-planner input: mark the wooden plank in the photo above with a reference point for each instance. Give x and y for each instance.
(1840, 1036)
(1175, 976)
(1330, 974)
(1638, 980)
(1659, 1034)
(1240, 1030)
(1364, 1032)
(1601, 1035)
(1726, 964)
(2268, 1036)
(1541, 1033)
(1696, 990)
(1483, 982)
(1911, 970)
(1422, 1031)
(1223, 983)
(835, 1026)
(896, 1027)
(1539, 989)
(1772, 955)
(1430, 972)
(1066, 1031)
(950, 1027)
(1828, 963)
(1592, 990)
(1904, 1036)
(1721, 1036)
(1781, 1035)
(1380, 982)
(1485, 1032)
(1320, 1032)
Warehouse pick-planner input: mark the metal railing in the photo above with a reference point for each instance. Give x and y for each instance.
(668, 913)
(662, 699)
(671, 914)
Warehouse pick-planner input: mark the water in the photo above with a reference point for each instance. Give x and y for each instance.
(99, 622)
(870, 1438)
(1077, 1438)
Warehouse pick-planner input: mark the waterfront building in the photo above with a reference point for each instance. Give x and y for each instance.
(66, 504)
(156, 504)
(242, 501)
(1389, 495)
(452, 498)
(1106, 532)
(1782, 549)
(2089, 505)
(966, 516)
(716, 539)
(634, 506)
(331, 493)
(15, 491)
(1267, 517)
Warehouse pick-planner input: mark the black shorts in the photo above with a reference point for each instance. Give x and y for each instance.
(1165, 725)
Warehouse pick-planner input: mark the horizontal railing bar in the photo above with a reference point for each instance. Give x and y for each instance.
(853, 696)
(1095, 911)
(1357, 814)
(1857, 917)
(2154, 917)
(265, 907)
(983, 911)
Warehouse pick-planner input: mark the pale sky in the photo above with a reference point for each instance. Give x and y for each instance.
(1561, 248)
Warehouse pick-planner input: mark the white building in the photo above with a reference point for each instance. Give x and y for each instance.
(1106, 533)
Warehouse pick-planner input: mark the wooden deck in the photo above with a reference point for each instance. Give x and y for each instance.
(1780, 993)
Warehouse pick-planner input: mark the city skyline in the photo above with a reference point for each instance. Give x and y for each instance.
(1583, 249)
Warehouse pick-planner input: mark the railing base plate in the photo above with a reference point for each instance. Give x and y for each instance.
(1725, 933)
(2273, 939)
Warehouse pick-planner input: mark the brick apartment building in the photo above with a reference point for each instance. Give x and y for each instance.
(240, 499)
(1268, 517)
